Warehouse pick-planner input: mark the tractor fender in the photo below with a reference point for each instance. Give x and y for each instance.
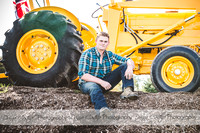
(88, 34)
(64, 12)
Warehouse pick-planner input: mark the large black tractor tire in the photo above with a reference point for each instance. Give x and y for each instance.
(65, 68)
(176, 68)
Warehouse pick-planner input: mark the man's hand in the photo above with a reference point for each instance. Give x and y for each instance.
(106, 85)
(129, 70)
(90, 78)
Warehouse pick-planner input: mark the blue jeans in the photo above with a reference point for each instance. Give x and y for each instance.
(96, 91)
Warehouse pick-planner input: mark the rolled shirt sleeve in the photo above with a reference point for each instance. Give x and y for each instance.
(119, 60)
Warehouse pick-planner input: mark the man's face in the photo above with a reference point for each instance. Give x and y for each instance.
(102, 43)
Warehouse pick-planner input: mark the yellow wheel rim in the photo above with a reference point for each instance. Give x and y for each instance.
(37, 51)
(177, 72)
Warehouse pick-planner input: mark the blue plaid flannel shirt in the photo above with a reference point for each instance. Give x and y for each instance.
(89, 62)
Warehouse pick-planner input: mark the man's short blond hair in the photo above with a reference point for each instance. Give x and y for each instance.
(103, 34)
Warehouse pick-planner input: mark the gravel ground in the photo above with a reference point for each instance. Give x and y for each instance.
(20, 97)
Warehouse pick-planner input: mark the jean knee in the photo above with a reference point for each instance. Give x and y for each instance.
(94, 88)
(123, 66)
(90, 87)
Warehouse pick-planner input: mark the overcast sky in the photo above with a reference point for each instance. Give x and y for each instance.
(82, 9)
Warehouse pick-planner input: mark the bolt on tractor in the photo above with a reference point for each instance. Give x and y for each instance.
(44, 45)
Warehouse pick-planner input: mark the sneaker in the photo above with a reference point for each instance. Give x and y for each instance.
(105, 112)
(128, 93)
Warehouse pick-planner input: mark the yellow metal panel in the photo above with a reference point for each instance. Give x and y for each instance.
(125, 39)
(155, 21)
(105, 15)
(2, 75)
(162, 4)
(186, 37)
(158, 35)
(113, 27)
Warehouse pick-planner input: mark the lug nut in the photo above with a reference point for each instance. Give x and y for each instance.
(41, 46)
(37, 58)
(33, 55)
(33, 50)
(42, 58)
(45, 54)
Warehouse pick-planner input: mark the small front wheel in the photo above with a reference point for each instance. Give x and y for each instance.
(176, 68)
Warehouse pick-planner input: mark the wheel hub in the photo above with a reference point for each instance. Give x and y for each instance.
(37, 51)
(177, 72)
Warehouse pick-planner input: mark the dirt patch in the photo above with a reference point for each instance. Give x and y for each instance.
(20, 97)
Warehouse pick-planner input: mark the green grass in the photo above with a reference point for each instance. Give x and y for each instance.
(4, 88)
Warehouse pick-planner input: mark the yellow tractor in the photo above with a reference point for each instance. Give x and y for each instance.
(44, 46)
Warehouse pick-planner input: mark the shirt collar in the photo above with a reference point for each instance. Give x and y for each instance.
(97, 52)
